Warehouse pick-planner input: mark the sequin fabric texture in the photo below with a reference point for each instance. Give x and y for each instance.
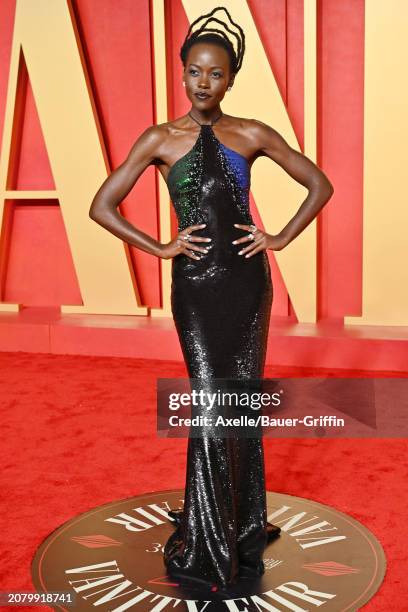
(221, 307)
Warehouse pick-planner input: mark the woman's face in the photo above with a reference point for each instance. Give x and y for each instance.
(207, 71)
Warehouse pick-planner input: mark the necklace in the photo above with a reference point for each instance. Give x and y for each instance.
(212, 123)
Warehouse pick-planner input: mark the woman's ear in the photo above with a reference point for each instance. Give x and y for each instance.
(231, 82)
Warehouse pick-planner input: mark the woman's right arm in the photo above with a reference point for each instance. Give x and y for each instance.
(104, 207)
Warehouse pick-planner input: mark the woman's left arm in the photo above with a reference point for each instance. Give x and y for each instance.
(270, 143)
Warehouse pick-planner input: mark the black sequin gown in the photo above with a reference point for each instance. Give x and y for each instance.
(221, 307)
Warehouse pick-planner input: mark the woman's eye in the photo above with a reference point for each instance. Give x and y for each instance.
(216, 74)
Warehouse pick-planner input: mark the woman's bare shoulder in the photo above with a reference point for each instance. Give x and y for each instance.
(154, 133)
(252, 128)
(168, 128)
(261, 129)
(253, 133)
(158, 135)
(151, 142)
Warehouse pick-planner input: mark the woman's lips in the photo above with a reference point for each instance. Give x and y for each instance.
(202, 96)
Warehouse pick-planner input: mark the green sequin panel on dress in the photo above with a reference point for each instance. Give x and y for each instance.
(183, 183)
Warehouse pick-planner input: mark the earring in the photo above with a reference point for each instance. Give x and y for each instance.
(184, 84)
(229, 88)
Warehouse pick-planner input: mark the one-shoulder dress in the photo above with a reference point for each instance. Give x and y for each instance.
(221, 308)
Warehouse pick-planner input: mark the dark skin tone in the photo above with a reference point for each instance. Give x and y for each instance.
(208, 70)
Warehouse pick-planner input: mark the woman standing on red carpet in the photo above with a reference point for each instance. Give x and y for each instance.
(221, 291)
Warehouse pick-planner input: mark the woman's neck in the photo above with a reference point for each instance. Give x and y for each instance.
(209, 117)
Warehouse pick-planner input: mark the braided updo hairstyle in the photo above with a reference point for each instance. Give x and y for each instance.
(216, 37)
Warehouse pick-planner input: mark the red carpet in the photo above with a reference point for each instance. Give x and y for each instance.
(78, 432)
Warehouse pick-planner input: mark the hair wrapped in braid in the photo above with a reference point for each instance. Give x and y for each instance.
(216, 36)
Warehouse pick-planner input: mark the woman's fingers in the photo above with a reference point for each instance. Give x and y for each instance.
(186, 238)
(255, 248)
(255, 237)
(183, 249)
(187, 244)
(190, 245)
(252, 235)
(246, 238)
(192, 228)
